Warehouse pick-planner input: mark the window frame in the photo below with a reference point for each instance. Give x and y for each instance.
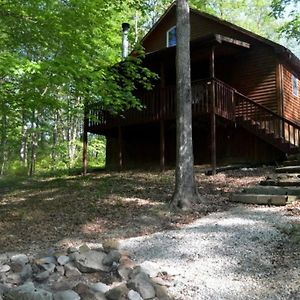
(167, 36)
(295, 85)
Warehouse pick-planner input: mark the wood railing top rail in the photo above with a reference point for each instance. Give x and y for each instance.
(269, 111)
(238, 97)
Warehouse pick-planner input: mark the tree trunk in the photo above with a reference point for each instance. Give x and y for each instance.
(23, 149)
(185, 187)
(33, 146)
(3, 144)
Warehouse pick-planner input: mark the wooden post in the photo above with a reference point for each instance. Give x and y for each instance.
(162, 146)
(162, 115)
(84, 144)
(120, 145)
(213, 112)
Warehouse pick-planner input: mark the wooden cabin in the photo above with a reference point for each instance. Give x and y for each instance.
(248, 84)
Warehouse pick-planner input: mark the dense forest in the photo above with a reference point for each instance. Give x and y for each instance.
(58, 55)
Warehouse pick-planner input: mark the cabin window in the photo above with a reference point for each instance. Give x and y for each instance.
(171, 37)
(295, 85)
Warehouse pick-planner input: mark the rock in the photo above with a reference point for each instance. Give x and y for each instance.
(150, 268)
(61, 285)
(4, 268)
(161, 292)
(124, 253)
(4, 259)
(28, 292)
(90, 262)
(43, 276)
(84, 248)
(81, 288)
(91, 295)
(99, 287)
(50, 267)
(60, 270)
(140, 282)
(125, 268)
(111, 257)
(160, 281)
(13, 278)
(118, 292)
(109, 245)
(66, 295)
(20, 259)
(124, 272)
(3, 289)
(133, 295)
(63, 259)
(71, 270)
(72, 250)
(45, 260)
(126, 261)
(26, 272)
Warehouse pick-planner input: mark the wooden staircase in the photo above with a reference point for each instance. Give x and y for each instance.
(267, 125)
(281, 188)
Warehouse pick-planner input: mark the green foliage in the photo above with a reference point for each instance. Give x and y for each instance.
(290, 9)
(55, 57)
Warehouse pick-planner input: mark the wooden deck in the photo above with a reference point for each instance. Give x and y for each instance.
(208, 96)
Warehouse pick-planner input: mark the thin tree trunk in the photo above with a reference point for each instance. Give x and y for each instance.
(23, 150)
(33, 145)
(3, 140)
(185, 187)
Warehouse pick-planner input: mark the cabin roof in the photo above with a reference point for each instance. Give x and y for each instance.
(280, 50)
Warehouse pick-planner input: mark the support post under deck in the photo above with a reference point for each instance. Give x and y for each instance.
(162, 146)
(213, 113)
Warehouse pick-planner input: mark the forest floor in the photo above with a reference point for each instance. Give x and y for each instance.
(240, 251)
(44, 212)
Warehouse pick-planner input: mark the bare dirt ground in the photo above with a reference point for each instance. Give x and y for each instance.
(57, 212)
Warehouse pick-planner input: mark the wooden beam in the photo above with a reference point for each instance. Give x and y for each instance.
(213, 113)
(162, 146)
(120, 146)
(84, 144)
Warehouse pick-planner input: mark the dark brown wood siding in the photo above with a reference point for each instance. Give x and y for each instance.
(157, 39)
(200, 27)
(291, 103)
(252, 73)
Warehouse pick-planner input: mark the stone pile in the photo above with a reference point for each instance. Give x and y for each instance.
(105, 273)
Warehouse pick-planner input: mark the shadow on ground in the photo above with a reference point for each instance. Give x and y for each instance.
(41, 212)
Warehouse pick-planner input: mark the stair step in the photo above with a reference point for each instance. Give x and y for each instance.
(295, 156)
(289, 163)
(263, 199)
(288, 169)
(281, 183)
(274, 190)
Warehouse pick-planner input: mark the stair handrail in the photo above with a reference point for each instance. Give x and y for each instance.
(257, 104)
(268, 110)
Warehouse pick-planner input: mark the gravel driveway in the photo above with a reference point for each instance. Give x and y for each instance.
(241, 253)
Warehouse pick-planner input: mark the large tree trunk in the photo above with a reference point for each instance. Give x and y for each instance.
(185, 189)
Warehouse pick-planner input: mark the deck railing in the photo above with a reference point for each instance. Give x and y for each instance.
(160, 104)
(264, 118)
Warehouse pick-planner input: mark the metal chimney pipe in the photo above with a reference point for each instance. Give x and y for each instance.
(125, 45)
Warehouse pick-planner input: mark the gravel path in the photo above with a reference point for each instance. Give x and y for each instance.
(237, 254)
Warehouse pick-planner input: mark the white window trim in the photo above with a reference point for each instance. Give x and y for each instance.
(167, 36)
(297, 85)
